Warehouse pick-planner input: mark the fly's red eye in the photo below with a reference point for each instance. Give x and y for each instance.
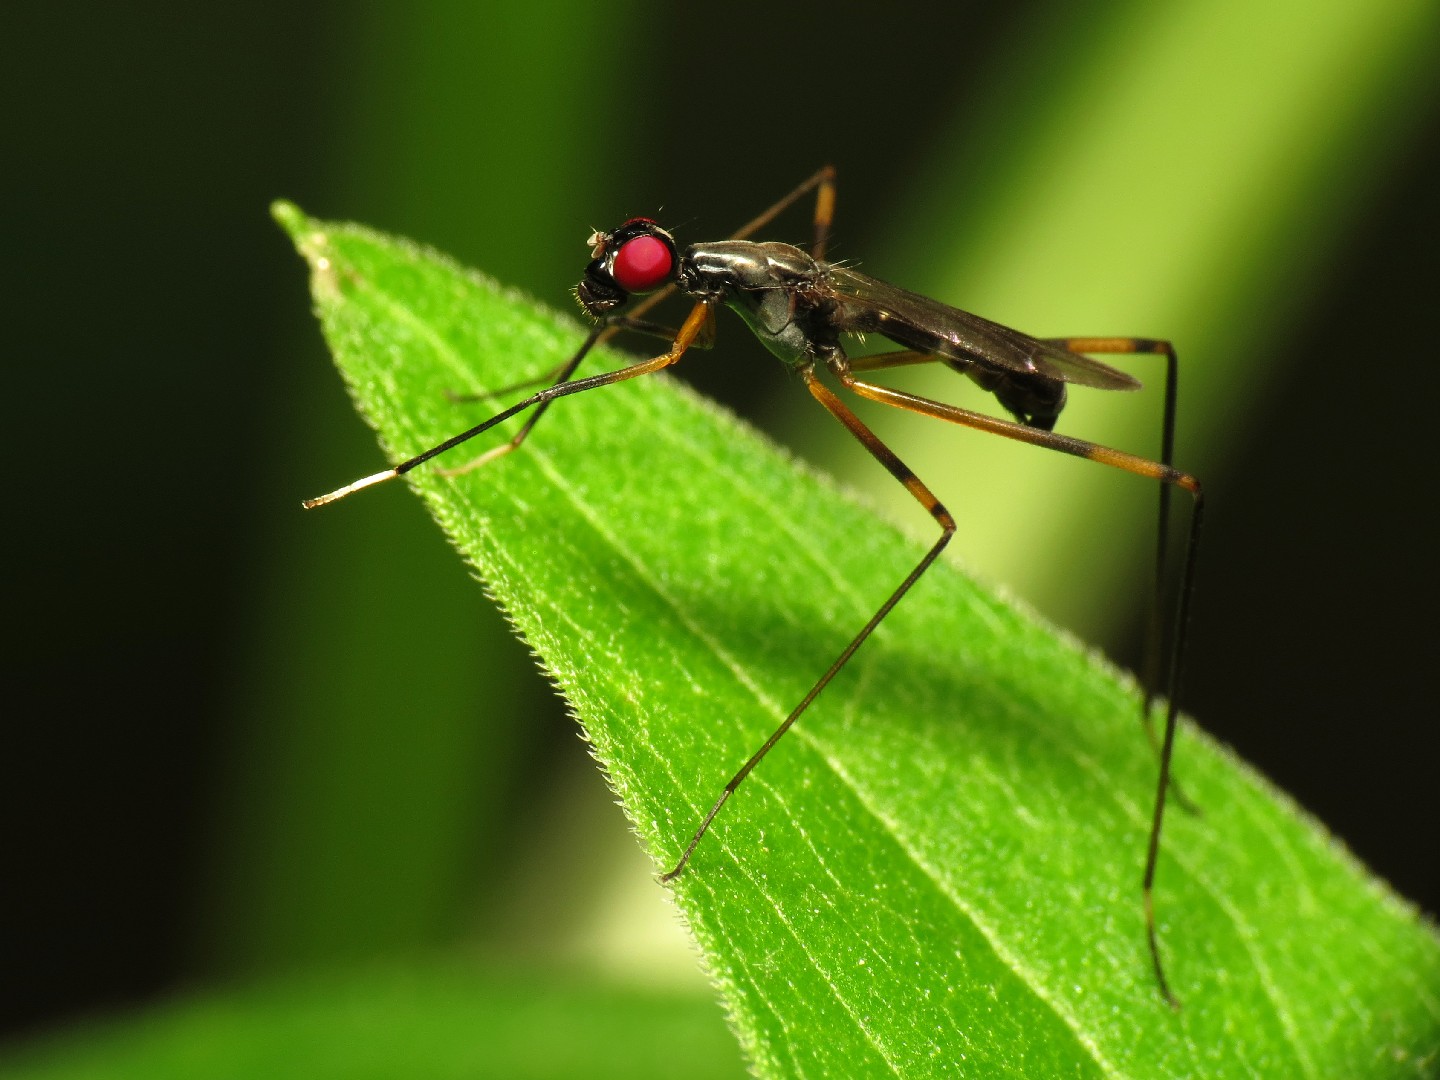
(642, 264)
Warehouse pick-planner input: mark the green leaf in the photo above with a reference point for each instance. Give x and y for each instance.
(938, 869)
(430, 1020)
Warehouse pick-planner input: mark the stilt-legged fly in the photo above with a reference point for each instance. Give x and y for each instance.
(799, 305)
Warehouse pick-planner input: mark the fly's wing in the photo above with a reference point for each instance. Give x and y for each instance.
(925, 325)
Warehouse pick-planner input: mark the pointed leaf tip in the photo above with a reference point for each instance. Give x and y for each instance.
(289, 216)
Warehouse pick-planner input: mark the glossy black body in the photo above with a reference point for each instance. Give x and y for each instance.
(800, 307)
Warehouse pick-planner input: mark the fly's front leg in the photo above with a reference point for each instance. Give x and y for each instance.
(561, 372)
(697, 326)
(602, 331)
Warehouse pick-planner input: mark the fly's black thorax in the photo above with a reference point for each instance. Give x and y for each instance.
(778, 290)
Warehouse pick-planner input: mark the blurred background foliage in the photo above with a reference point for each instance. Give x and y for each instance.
(247, 741)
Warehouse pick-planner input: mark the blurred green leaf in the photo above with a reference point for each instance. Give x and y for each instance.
(940, 865)
(1185, 170)
(362, 829)
(429, 1021)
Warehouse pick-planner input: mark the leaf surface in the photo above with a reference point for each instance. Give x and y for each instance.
(937, 872)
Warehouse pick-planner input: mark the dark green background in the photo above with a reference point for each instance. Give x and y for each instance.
(242, 740)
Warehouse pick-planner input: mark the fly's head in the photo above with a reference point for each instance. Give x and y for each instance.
(638, 257)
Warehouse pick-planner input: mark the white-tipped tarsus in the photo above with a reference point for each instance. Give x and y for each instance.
(350, 489)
